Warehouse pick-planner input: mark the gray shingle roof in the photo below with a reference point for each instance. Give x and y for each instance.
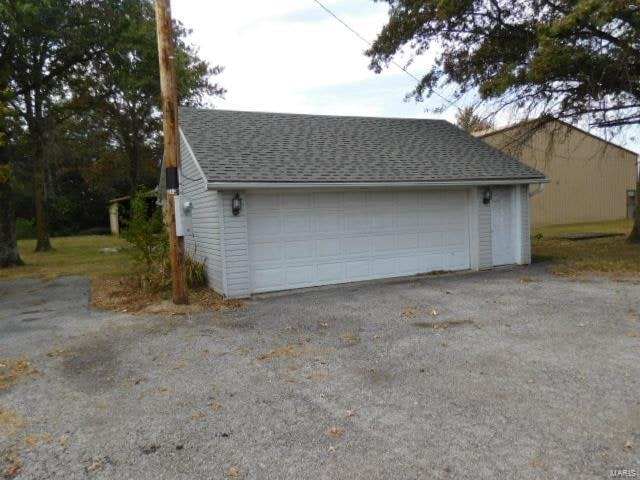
(234, 146)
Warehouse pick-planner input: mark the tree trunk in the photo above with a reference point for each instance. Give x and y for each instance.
(634, 236)
(9, 255)
(42, 218)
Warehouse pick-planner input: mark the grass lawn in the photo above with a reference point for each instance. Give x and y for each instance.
(610, 256)
(72, 256)
(112, 275)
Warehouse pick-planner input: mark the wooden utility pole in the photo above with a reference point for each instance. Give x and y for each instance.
(171, 145)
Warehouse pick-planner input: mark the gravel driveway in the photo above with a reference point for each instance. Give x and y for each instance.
(504, 374)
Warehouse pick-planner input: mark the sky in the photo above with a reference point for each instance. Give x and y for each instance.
(292, 56)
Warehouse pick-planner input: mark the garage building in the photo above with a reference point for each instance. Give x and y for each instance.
(285, 201)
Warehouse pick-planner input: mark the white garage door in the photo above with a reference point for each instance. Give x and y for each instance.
(306, 239)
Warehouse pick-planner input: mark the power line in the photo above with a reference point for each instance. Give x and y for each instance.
(401, 67)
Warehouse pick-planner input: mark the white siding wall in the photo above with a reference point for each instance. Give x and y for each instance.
(205, 243)
(484, 233)
(526, 224)
(236, 249)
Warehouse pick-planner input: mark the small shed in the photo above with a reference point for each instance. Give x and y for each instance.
(119, 209)
(284, 201)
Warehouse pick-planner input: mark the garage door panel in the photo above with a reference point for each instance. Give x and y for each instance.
(266, 225)
(330, 272)
(385, 266)
(384, 243)
(295, 201)
(298, 223)
(328, 223)
(355, 222)
(408, 241)
(455, 238)
(456, 260)
(264, 202)
(357, 245)
(380, 199)
(407, 265)
(357, 270)
(267, 252)
(328, 247)
(299, 249)
(322, 237)
(408, 220)
(267, 278)
(431, 217)
(406, 199)
(300, 275)
(354, 199)
(327, 200)
(381, 221)
(433, 261)
(430, 240)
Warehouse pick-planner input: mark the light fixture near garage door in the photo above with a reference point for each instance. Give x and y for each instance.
(486, 196)
(236, 205)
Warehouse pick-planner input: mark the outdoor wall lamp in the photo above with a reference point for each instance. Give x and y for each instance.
(486, 196)
(236, 205)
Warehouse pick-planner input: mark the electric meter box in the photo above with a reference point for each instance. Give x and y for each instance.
(183, 209)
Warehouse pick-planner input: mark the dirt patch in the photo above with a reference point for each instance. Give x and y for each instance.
(12, 371)
(123, 294)
(10, 422)
(442, 325)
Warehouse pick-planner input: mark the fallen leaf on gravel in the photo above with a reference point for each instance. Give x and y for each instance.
(214, 386)
(335, 432)
(95, 465)
(632, 334)
(289, 380)
(102, 406)
(180, 365)
(278, 353)
(433, 312)
(63, 441)
(215, 406)
(320, 375)
(350, 339)
(233, 472)
(58, 353)
(536, 462)
(409, 313)
(350, 413)
(32, 440)
(628, 445)
(292, 367)
(331, 448)
(196, 416)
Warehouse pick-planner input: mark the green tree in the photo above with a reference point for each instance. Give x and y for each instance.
(469, 120)
(124, 90)
(9, 255)
(570, 59)
(48, 43)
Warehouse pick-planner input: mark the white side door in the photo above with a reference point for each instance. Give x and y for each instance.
(504, 226)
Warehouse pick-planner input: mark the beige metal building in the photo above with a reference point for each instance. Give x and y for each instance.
(590, 179)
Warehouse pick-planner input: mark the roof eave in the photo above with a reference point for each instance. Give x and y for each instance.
(434, 184)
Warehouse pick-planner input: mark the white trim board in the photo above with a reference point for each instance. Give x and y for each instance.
(338, 185)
